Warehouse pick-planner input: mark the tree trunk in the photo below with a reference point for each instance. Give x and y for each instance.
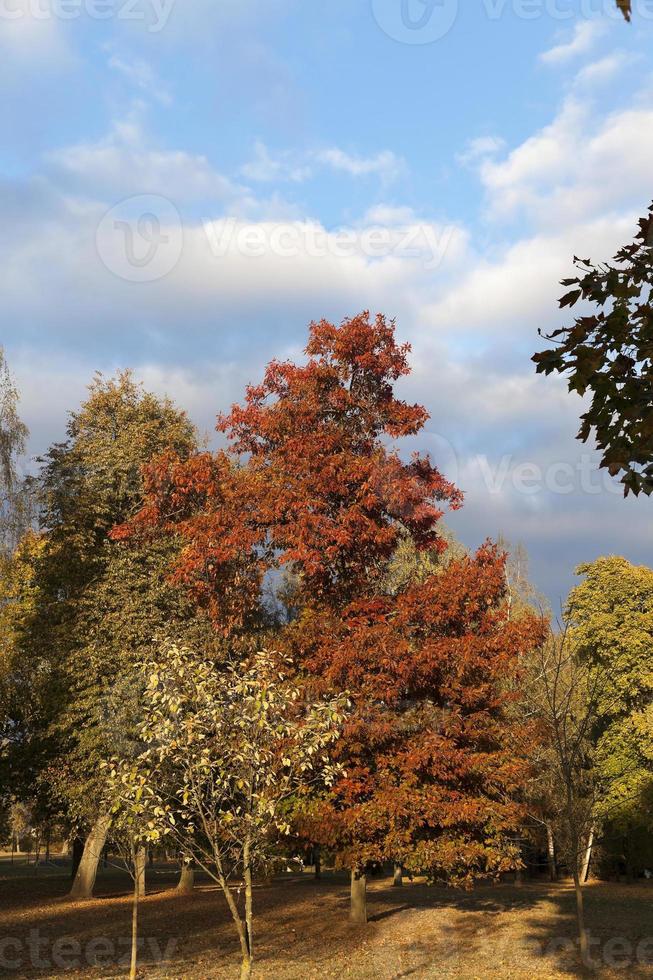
(249, 935)
(317, 860)
(551, 853)
(358, 906)
(580, 916)
(186, 881)
(241, 927)
(136, 896)
(140, 860)
(587, 857)
(84, 881)
(628, 859)
(519, 871)
(76, 854)
(398, 878)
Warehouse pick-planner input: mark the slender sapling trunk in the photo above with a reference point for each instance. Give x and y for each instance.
(587, 857)
(551, 853)
(140, 859)
(136, 896)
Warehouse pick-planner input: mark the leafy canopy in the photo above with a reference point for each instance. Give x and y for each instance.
(611, 622)
(313, 483)
(608, 354)
(96, 606)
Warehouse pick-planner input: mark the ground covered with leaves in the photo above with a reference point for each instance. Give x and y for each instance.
(498, 931)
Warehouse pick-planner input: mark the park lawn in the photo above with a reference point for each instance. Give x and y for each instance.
(495, 931)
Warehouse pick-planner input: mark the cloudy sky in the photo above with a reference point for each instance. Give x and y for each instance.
(185, 184)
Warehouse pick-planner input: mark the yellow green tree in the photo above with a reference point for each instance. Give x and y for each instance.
(610, 614)
(101, 604)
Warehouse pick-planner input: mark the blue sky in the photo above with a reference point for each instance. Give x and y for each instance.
(185, 184)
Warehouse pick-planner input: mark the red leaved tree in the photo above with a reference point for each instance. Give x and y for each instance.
(311, 483)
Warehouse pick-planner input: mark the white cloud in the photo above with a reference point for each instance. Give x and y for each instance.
(124, 162)
(141, 76)
(389, 214)
(603, 70)
(32, 35)
(575, 167)
(481, 148)
(296, 167)
(265, 168)
(516, 290)
(386, 163)
(206, 328)
(586, 34)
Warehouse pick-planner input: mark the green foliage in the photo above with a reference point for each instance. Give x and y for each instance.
(101, 606)
(121, 618)
(609, 354)
(20, 711)
(409, 564)
(611, 618)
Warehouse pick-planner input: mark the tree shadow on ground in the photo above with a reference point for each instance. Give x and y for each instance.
(302, 929)
(619, 924)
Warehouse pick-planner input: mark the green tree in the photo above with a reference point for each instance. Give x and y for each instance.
(611, 618)
(14, 517)
(408, 564)
(20, 712)
(608, 354)
(101, 603)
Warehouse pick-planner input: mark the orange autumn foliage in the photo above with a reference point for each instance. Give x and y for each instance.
(310, 482)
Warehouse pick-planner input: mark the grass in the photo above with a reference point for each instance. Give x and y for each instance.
(496, 931)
